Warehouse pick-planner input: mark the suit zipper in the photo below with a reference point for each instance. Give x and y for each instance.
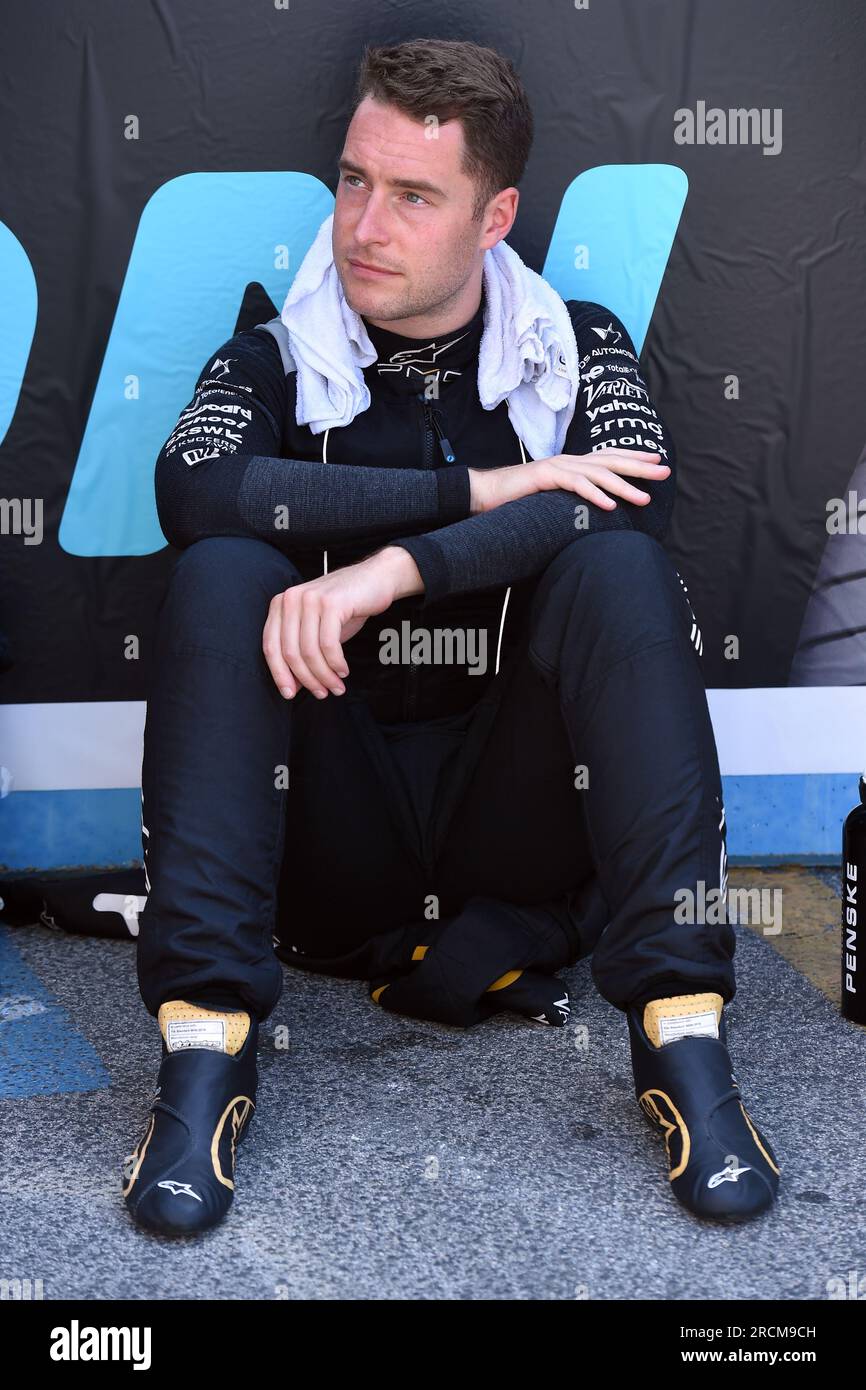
(432, 422)
(432, 429)
(410, 703)
(444, 442)
(428, 434)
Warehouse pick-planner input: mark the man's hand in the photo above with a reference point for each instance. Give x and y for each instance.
(580, 473)
(307, 623)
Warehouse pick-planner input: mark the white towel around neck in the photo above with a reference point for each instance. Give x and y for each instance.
(527, 356)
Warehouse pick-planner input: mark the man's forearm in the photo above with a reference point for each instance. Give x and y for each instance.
(510, 543)
(295, 501)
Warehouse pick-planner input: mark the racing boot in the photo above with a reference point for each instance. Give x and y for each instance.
(180, 1179)
(721, 1166)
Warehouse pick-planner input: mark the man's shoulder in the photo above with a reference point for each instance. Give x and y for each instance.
(275, 335)
(579, 306)
(247, 346)
(247, 363)
(586, 313)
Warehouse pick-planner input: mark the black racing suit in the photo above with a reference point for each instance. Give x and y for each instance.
(435, 786)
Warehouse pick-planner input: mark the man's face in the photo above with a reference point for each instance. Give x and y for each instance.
(420, 231)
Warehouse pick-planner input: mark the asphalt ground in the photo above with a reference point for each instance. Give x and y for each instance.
(393, 1159)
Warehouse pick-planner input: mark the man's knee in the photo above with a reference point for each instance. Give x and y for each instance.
(220, 582)
(227, 570)
(605, 567)
(235, 557)
(609, 553)
(615, 590)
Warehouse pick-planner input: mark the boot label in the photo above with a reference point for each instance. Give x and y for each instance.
(702, 1025)
(196, 1032)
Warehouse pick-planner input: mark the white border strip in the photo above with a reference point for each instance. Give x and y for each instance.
(72, 747)
(821, 729)
(800, 729)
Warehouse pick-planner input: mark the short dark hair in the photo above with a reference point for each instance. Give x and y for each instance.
(453, 79)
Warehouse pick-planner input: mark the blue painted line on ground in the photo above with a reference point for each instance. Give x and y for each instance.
(41, 1052)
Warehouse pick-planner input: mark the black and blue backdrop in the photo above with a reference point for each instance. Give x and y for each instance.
(698, 167)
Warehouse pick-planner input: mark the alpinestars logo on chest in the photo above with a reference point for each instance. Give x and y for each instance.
(420, 361)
